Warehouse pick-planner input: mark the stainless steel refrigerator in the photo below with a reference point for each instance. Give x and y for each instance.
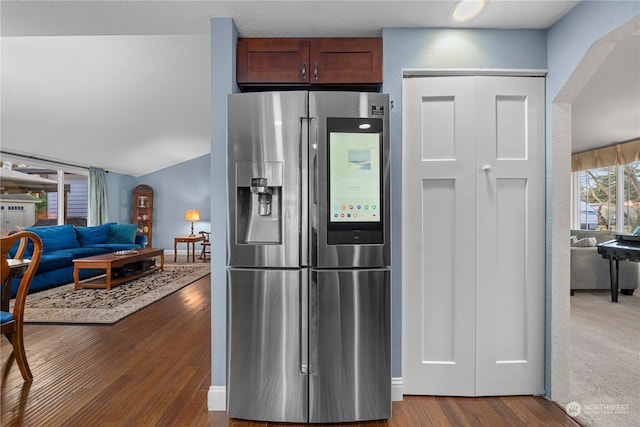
(308, 255)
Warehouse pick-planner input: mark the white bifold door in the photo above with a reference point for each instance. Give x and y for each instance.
(473, 234)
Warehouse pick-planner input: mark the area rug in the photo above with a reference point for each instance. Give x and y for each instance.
(99, 306)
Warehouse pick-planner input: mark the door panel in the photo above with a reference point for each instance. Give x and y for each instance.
(510, 236)
(473, 270)
(266, 348)
(438, 237)
(349, 346)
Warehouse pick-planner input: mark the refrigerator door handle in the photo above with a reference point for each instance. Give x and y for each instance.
(313, 183)
(304, 322)
(313, 324)
(304, 189)
(313, 154)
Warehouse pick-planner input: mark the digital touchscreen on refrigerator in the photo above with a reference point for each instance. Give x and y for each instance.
(354, 176)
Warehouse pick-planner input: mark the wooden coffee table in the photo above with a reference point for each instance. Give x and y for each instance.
(114, 260)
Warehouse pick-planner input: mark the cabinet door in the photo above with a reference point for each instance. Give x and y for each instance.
(346, 60)
(264, 60)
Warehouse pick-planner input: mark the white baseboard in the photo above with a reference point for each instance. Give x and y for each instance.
(396, 389)
(217, 398)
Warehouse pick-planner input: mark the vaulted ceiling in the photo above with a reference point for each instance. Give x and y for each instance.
(125, 85)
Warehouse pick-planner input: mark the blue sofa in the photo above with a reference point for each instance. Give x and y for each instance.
(61, 244)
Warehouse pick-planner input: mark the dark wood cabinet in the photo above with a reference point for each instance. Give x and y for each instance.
(272, 61)
(346, 63)
(142, 211)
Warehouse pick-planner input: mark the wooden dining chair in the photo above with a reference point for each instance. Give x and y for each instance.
(206, 245)
(11, 322)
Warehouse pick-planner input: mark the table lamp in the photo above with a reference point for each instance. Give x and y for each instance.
(192, 215)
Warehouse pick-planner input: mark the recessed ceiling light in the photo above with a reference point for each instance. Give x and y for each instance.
(364, 126)
(467, 9)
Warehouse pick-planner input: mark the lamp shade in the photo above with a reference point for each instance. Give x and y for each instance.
(192, 215)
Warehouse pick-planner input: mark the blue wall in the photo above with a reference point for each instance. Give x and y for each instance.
(571, 37)
(175, 189)
(223, 72)
(446, 49)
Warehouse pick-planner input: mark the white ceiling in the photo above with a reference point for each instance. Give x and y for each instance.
(125, 85)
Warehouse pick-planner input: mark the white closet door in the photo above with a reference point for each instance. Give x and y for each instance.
(473, 235)
(510, 235)
(438, 235)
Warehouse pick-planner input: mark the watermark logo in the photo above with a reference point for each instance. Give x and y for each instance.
(573, 409)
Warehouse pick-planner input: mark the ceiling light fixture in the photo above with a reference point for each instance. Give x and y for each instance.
(467, 9)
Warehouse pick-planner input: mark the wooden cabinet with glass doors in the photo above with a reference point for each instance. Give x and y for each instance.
(142, 211)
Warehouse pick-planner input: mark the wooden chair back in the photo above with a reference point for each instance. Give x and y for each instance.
(13, 328)
(206, 243)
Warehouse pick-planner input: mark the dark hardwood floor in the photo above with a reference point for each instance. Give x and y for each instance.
(153, 369)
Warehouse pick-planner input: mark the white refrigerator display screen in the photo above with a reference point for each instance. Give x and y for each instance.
(354, 177)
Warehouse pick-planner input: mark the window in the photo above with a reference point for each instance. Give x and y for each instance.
(631, 200)
(608, 198)
(37, 185)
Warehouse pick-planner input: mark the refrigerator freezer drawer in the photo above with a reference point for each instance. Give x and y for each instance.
(349, 346)
(266, 345)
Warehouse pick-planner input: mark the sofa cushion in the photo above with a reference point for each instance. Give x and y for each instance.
(86, 251)
(55, 237)
(54, 260)
(93, 235)
(586, 242)
(600, 235)
(112, 247)
(122, 233)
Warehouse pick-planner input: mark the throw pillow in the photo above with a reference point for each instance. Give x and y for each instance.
(122, 233)
(573, 240)
(93, 235)
(587, 242)
(56, 237)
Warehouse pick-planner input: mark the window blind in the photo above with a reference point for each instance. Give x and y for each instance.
(618, 154)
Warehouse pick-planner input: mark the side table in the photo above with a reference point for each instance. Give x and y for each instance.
(187, 240)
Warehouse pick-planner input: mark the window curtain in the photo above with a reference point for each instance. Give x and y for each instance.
(98, 210)
(618, 154)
